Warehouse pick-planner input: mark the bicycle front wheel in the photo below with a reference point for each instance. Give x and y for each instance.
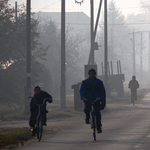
(39, 129)
(94, 127)
(133, 101)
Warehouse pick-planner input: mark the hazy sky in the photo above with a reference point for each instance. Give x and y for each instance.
(127, 6)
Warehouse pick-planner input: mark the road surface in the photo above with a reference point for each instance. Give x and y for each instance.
(124, 128)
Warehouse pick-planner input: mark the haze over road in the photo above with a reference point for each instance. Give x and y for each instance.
(124, 128)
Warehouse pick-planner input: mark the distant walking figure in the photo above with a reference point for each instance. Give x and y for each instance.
(134, 85)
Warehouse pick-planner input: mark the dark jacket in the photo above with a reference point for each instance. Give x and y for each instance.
(92, 90)
(39, 99)
(133, 84)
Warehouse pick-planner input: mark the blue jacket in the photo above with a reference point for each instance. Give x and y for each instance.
(93, 89)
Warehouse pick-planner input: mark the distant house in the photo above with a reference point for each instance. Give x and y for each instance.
(78, 22)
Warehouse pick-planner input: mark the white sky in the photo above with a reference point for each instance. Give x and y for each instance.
(127, 6)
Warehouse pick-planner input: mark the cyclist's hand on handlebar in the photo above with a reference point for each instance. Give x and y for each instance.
(33, 99)
(49, 100)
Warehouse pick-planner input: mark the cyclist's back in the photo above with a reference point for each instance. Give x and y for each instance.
(134, 85)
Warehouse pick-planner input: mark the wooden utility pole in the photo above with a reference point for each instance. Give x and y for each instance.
(63, 60)
(28, 58)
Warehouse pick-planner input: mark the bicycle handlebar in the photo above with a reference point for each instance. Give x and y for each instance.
(98, 99)
(39, 104)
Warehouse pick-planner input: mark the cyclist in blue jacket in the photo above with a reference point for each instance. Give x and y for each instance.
(91, 89)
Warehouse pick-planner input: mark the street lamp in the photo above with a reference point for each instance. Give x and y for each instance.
(79, 2)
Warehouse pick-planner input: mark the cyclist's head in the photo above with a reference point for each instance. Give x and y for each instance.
(133, 77)
(37, 89)
(92, 73)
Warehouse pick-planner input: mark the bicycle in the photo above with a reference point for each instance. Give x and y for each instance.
(133, 97)
(93, 117)
(39, 120)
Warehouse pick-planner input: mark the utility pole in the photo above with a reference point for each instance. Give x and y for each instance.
(92, 32)
(97, 20)
(141, 55)
(28, 58)
(16, 11)
(134, 67)
(112, 31)
(149, 54)
(106, 47)
(63, 61)
(91, 60)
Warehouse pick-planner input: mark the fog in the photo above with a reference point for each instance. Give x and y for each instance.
(120, 43)
(123, 18)
(128, 30)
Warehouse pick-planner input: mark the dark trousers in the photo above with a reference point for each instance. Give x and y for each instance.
(32, 120)
(33, 116)
(87, 110)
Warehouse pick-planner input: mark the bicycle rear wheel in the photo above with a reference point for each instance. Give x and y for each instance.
(39, 129)
(94, 127)
(133, 99)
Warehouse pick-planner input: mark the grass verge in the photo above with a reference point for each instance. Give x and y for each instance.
(14, 137)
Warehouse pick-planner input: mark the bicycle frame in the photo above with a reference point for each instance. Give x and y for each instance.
(39, 111)
(39, 106)
(92, 104)
(133, 97)
(93, 114)
(93, 117)
(38, 116)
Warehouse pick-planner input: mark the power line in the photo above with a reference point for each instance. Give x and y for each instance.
(95, 9)
(50, 4)
(130, 7)
(146, 23)
(121, 36)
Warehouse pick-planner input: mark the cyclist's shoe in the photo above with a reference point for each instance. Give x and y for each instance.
(87, 121)
(99, 130)
(33, 132)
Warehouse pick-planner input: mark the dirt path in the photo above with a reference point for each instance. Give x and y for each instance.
(125, 127)
(72, 119)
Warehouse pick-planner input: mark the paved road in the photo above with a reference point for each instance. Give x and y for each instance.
(124, 128)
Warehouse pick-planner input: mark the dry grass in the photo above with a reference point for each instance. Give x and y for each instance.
(14, 137)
